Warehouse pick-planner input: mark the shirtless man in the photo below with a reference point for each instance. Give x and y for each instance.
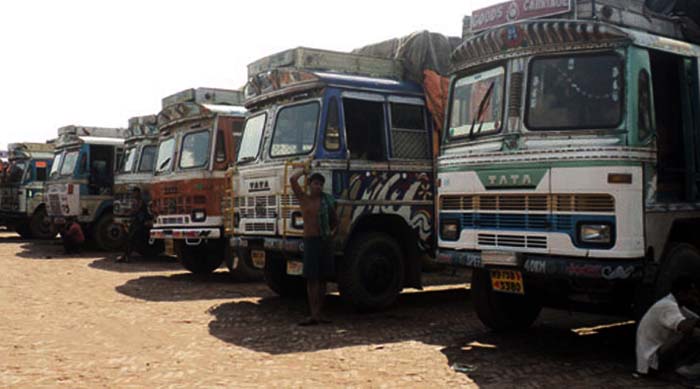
(320, 225)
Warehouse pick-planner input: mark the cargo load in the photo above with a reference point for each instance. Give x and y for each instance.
(425, 58)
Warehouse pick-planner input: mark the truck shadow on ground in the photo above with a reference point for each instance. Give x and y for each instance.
(599, 352)
(559, 350)
(270, 324)
(189, 287)
(137, 264)
(51, 250)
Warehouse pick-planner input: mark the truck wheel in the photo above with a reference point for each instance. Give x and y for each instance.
(244, 269)
(371, 274)
(278, 280)
(109, 235)
(201, 259)
(501, 311)
(681, 259)
(40, 225)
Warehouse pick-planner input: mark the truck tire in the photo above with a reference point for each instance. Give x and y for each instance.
(109, 235)
(681, 259)
(201, 259)
(371, 275)
(501, 311)
(244, 271)
(40, 225)
(277, 279)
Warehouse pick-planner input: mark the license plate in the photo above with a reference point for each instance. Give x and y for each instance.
(170, 248)
(258, 257)
(295, 268)
(507, 281)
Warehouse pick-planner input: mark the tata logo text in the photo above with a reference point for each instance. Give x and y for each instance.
(513, 180)
(258, 186)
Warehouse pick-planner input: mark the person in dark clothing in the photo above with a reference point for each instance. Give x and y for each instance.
(320, 225)
(137, 225)
(72, 236)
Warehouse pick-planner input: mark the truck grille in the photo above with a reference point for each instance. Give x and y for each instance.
(520, 241)
(530, 202)
(256, 207)
(259, 227)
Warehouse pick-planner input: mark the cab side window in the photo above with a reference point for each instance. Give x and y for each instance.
(41, 173)
(409, 136)
(364, 126)
(332, 133)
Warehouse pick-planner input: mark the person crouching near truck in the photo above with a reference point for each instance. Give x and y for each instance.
(138, 231)
(72, 236)
(320, 225)
(667, 342)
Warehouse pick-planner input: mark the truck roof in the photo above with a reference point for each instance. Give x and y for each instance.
(142, 127)
(631, 14)
(214, 96)
(72, 134)
(304, 58)
(30, 150)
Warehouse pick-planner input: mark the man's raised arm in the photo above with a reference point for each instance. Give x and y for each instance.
(294, 181)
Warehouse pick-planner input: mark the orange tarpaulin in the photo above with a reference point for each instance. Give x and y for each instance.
(436, 89)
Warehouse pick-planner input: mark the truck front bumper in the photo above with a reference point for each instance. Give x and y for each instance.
(185, 233)
(293, 245)
(555, 266)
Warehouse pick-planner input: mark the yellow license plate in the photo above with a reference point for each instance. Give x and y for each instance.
(295, 268)
(170, 248)
(508, 281)
(258, 257)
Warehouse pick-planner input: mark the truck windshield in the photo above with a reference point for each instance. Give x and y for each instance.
(148, 157)
(16, 173)
(165, 155)
(128, 160)
(56, 165)
(195, 150)
(295, 130)
(575, 92)
(477, 104)
(252, 134)
(69, 162)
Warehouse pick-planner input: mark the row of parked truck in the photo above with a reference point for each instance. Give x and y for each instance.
(552, 150)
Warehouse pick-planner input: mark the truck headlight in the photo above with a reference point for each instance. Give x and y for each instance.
(199, 215)
(297, 220)
(449, 230)
(595, 233)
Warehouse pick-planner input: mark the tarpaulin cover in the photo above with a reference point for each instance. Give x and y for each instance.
(426, 60)
(422, 50)
(687, 12)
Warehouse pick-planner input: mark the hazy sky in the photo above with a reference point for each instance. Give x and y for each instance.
(97, 63)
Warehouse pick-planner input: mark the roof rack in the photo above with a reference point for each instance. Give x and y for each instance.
(624, 13)
(142, 127)
(26, 149)
(102, 132)
(304, 58)
(205, 96)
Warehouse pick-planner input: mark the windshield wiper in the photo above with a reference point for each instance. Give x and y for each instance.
(246, 159)
(480, 111)
(162, 165)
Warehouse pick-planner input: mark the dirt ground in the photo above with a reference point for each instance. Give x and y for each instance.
(86, 321)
